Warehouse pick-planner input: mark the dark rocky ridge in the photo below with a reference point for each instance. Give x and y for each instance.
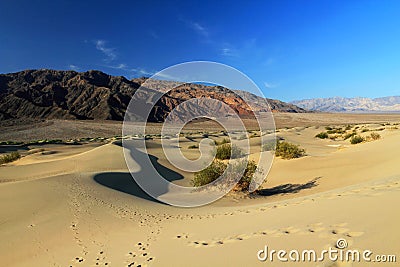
(52, 94)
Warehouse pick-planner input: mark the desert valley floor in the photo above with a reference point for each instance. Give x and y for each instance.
(69, 205)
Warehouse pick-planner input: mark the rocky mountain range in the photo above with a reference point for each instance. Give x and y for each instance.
(357, 104)
(53, 94)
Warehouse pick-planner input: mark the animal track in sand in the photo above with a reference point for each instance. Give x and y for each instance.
(332, 232)
(139, 256)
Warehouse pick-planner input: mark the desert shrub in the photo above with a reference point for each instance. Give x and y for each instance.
(209, 174)
(223, 141)
(375, 136)
(347, 136)
(269, 145)
(334, 137)
(253, 135)
(335, 131)
(328, 128)
(217, 169)
(45, 141)
(364, 130)
(13, 156)
(356, 139)
(249, 171)
(193, 146)
(348, 127)
(322, 135)
(227, 151)
(242, 137)
(288, 150)
(10, 143)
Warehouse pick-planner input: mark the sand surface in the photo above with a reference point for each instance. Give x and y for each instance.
(79, 206)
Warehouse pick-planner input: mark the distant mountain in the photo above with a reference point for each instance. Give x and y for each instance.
(357, 104)
(52, 94)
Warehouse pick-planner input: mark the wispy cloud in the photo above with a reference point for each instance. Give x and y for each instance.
(121, 66)
(73, 67)
(109, 52)
(199, 28)
(154, 35)
(141, 71)
(269, 85)
(229, 51)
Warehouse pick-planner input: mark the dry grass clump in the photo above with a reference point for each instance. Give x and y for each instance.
(13, 156)
(356, 139)
(375, 136)
(217, 168)
(288, 150)
(227, 151)
(322, 135)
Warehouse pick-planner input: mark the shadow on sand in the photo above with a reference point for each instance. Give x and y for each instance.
(125, 183)
(287, 188)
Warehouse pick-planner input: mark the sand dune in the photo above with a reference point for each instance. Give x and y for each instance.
(82, 208)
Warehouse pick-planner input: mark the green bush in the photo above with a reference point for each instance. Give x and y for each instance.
(288, 150)
(217, 168)
(209, 174)
(227, 151)
(10, 143)
(13, 156)
(375, 136)
(193, 146)
(347, 136)
(335, 131)
(322, 135)
(356, 139)
(223, 141)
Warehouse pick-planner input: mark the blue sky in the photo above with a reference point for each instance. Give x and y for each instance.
(291, 49)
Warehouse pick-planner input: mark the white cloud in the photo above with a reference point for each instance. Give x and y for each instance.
(228, 51)
(73, 67)
(141, 71)
(107, 51)
(270, 85)
(198, 28)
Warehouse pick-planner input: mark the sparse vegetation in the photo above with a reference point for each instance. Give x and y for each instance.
(13, 156)
(209, 174)
(269, 145)
(375, 136)
(322, 135)
(10, 143)
(253, 135)
(193, 147)
(328, 128)
(334, 137)
(217, 168)
(365, 130)
(349, 135)
(223, 141)
(227, 151)
(336, 131)
(288, 150)
(356, 139)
